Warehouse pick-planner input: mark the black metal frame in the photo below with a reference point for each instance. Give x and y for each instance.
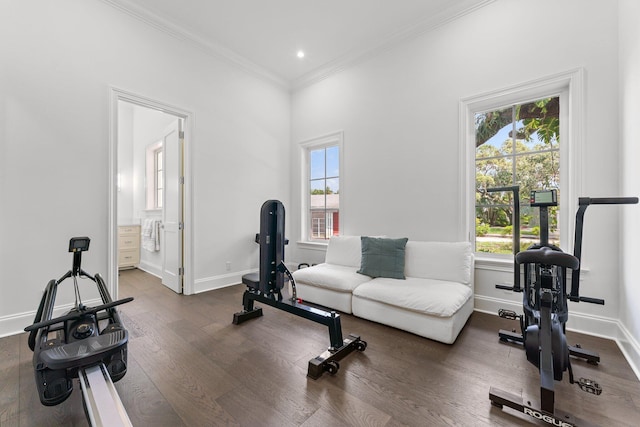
(85, 336)
(267, 285)
(325, 362)
(545, 314)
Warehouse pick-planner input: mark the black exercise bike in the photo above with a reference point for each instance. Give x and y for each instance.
(545, 307)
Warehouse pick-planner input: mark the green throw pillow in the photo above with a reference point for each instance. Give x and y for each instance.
(383, 257)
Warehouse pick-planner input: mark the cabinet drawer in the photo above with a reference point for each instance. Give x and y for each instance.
(128, 257)
(128, 242)
(126, 229)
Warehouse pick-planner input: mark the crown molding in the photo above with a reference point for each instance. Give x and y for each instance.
(332, 67)
(388, 42)
(211, 48)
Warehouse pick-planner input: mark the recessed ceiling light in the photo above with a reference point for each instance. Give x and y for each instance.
(300, 54)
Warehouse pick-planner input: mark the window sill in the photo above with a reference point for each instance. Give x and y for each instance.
(484, 261)
(315, 246)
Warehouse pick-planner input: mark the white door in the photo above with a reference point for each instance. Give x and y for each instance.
(172, 226)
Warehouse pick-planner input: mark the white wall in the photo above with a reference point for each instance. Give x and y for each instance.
(399, 113)
(58, 61)
(125, 163)
(629, 112)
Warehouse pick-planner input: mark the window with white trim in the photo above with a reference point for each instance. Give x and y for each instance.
(322, 160)
(158, 171)
(154, 176)
(528, 135)
(516, 146)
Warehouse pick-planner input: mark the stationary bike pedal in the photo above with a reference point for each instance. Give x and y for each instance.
(508, 314)
(590, 386)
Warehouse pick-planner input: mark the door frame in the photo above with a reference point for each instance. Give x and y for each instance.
(115, 95)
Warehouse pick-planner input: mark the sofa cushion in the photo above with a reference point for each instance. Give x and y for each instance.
(335, 277)
(344, 250)
(383, 257)
(449, 261)
(427, 296)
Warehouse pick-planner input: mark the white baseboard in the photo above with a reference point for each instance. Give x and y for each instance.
(491, 305)
(630, 348)
(587, 324)
(224, 280)
(150, 268)
(15, 324)
(221, 281)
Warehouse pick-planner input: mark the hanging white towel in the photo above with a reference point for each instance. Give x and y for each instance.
(155, 234)
(146, 227)
(151, 235)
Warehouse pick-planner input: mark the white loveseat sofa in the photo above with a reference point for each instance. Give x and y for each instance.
(434, 300)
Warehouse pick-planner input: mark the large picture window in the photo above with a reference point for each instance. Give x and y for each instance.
(528, 135)
(518, 145)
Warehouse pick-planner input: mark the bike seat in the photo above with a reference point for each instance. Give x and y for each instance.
(548, 256)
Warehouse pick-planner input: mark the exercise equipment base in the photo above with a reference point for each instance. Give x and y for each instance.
(500, 398)
(328, 360)
(591, 357)
(509, 336)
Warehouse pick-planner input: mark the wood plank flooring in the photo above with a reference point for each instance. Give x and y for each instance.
(190, 366)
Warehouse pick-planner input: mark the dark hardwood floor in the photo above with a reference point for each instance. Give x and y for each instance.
(190, 366)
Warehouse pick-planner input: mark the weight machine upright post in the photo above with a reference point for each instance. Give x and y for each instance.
(335, 331)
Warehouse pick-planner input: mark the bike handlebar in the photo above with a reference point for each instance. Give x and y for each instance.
(77, 314)
(497, 189)
(607, 201)
(587, 299)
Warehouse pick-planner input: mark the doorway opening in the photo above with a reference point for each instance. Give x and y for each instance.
(150, 203)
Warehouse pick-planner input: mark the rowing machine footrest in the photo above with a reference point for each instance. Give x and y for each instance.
(84, 352)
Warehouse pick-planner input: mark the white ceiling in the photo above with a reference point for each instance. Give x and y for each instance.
(265, 35)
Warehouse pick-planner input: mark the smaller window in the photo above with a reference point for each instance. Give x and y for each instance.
(157, 172)
(154, 176)
(321, 205)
